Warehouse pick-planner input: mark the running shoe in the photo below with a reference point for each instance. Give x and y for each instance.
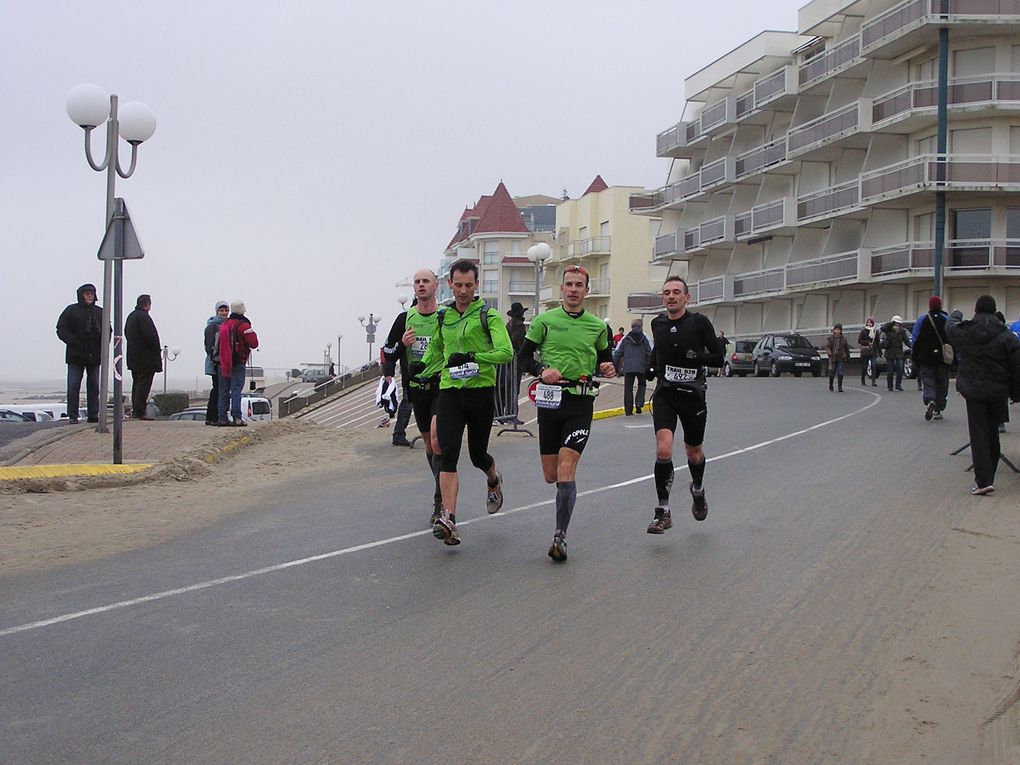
(494, 498)
(700, 506)
(937, 416)
(930, 411)
(980, 491)
(662, 521)
(558, 549)
(445, 529)
(437, 511)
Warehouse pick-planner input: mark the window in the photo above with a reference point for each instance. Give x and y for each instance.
(926, 71)
(491, 253)
(972, 141)
(972, 62)
(604, 228)
(971, 224)
(924, 227)
(1013, 223)
(927, 145)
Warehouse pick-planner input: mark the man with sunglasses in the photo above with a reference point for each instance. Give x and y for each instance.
(468, 343)
(684, 343)
(575, 346)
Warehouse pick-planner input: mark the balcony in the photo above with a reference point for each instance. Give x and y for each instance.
(579, 248)
(708, 290)
(757, 283)
(828, 270)
(993, 89)
(828, 201)
(956, 172)
(598, 287)
(759, 158)
(646, 202)
(830, 62)
(521, 287)
(823, 130)
(709, 232)
(764, 217)
(918, 258)
(679, 140)
(666, 245)
(712, 174)
(910, 15)
(644, 302)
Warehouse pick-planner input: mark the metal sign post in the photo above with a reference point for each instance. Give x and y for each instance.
(119, 243)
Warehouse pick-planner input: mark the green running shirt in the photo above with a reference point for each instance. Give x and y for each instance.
(569, 343)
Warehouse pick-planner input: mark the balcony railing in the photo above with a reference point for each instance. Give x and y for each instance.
(948, 170)
(708, 290)
(769, 87)
(644, 302)
(760, 218)
(713, 230)
(521, 288)
(763, 156)
(598, 286)
(758, 282)
(911, 14)
(831, 268)
(715, 115)
(823, 129)
(826, 201)
(959, 255)
(829, 62)
(692, 239)
(713, 173)
(645, 202)
(665, 244)
(893, 21)
(991, 88)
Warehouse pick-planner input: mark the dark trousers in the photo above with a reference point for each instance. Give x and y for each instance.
(141, 384)
(74, 375)
(403, 417)
(894, 372)
(214, 399)
(628, 390)
(983, 418)
(935, 383)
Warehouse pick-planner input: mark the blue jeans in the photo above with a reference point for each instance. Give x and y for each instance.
(935, 382)
(894, 368)
(74, 374)
(230, 394)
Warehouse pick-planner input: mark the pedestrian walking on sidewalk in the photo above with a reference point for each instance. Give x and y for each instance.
(80, 328)
(144, 354)
(894, 342)
(632, 358)
(988, 374)
(928, 341)
(867, 341)
(235, 342)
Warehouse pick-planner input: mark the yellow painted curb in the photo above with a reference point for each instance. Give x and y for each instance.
(602, 414)
(54, 471)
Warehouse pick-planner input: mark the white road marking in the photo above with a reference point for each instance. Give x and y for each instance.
(391, 540)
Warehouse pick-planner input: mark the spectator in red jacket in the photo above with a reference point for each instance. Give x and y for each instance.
(235, 343)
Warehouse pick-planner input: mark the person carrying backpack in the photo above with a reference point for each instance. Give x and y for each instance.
(235, 343)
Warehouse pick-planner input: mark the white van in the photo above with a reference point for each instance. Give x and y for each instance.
(39, 412)
(256, 408)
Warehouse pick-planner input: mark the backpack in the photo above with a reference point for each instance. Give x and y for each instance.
(237, 345)
(482, 314)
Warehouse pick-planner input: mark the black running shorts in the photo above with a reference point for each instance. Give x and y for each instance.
(671, 404)
(424, 404)
(567, 427)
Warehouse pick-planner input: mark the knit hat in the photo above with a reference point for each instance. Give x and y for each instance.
(837, 325)
(985, 304)
(934, 303)
(221, 304)
(237, 306)
(897, 319)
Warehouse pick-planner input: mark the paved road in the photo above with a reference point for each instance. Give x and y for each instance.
(751, 637)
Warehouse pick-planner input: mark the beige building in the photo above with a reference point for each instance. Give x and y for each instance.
(598, 232)
(496, 233)
(804, 174)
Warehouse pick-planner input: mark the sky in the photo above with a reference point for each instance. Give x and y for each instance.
(310, 155)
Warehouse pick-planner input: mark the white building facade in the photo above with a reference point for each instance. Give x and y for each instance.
(803, 185)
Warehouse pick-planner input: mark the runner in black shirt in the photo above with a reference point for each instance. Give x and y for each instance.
(684, 343)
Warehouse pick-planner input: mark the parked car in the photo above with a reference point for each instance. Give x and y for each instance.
(192, 413)
(738, 361)
(256, 408)
(786, 352)
(6, 415)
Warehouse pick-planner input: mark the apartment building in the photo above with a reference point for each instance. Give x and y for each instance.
(803, 179)
(496, 233)
(598, 232)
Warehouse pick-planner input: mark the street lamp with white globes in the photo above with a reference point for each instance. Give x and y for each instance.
(169, 354)
(88, 106)
(537, 254)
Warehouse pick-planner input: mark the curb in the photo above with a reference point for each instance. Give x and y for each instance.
(603, 414)
(67, 470)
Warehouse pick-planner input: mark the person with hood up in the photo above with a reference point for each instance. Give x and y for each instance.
(631, 357)
(838, 350)
(236, 339)
(212, 361)
(144, 354)
(80, 327)
(927, 341)
(988, 374)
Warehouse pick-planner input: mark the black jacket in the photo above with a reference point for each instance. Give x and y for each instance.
(80, 328)
(989, 357)
(144, 353)
(928, 346)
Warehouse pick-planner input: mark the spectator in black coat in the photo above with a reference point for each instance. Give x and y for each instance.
(932, 369)
(144, 354)
(988, 374)
(80, 328)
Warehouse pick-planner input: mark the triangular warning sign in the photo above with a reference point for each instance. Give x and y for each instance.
(130, 248)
